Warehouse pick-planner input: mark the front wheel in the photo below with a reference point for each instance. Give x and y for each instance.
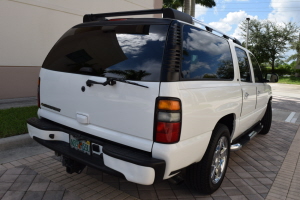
(207, 175)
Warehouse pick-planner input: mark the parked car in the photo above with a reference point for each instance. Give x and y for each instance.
(145, 98)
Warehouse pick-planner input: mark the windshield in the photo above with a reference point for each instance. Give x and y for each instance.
(132, 52)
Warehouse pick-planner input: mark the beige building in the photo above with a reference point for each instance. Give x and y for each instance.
(29, 28)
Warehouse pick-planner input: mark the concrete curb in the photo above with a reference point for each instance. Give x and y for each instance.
(17, 102)
(16, 141)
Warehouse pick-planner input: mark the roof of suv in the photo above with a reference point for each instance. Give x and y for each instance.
(169, 15)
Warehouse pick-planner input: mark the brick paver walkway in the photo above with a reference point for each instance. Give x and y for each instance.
(267, 167)
(287, 182)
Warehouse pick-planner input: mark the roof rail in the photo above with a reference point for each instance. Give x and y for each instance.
(167, 13)
(211, 29)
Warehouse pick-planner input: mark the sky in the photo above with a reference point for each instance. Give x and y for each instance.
(228, 14)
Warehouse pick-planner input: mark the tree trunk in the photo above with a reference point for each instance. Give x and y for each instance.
(273, 65)
(187, 7)
(193, 5)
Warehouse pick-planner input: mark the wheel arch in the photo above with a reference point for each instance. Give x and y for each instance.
(229, 121)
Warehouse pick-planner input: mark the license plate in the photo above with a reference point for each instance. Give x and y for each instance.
(80, 145)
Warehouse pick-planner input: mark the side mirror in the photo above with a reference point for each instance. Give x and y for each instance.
(272, 78)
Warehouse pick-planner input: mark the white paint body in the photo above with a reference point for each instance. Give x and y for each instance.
(132, 172)
(124, 113)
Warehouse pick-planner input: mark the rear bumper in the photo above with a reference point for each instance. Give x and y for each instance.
(122, 161)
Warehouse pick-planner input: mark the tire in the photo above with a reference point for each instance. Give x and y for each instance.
(266, 121)
(204, 176)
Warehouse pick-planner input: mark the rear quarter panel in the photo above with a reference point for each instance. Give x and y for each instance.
(204, 103)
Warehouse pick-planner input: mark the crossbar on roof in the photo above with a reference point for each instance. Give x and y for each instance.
(211, 29)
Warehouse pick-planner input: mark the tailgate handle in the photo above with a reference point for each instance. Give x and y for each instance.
(109, 81)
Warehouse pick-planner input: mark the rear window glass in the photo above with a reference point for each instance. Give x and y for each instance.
(132, 52)
(205, 56)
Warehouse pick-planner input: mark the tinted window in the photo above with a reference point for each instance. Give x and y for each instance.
(244, 66)
(257, 72)
(205, 56)
(133, 52)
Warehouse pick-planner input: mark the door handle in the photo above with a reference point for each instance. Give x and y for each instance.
(246, 95)
(258, 92)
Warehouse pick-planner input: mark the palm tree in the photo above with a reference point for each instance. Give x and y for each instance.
(175, 4)
(193, 8)
(188, 5)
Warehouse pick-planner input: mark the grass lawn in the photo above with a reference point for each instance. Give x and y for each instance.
(13, 120)
(289, 80)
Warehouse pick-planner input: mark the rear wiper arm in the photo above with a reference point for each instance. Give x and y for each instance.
(112, 81)
(128, 82)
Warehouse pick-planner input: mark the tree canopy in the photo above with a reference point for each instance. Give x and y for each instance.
(269, 40)
(295, 45)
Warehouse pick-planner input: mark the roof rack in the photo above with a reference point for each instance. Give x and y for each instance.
(167, 13)
(211, 29)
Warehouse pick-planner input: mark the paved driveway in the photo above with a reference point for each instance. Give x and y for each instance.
(266, 168)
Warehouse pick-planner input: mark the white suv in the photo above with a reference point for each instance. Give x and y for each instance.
(145, 98)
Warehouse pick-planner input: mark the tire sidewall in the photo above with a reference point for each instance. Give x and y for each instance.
(220, 131)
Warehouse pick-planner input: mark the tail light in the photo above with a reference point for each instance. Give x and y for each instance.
(167, 124)
(38, 93)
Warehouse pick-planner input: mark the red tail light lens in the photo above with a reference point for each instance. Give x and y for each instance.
(167, 132)
(38, 93)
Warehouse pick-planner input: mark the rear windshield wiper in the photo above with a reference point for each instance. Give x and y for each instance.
(112, 81)
(129, 82)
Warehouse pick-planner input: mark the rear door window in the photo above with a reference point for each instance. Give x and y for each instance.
(132, 52)
(205, 56)
(245, 72)
(257, 72)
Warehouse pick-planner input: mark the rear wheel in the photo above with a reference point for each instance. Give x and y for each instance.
(207, 175)
(266, 121)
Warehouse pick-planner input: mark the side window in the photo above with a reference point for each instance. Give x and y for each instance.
(244, 66)
(205, 56)
(257, 72)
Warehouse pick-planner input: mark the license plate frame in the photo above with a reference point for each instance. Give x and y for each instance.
(81, 145)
